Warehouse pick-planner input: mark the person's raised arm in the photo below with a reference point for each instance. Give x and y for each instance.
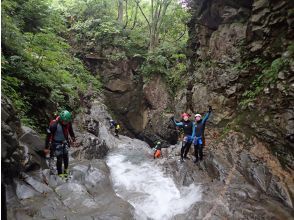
(175, 122)
(207, 114)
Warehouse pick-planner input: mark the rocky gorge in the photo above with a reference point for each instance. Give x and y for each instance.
(239, 178)
(241, 63)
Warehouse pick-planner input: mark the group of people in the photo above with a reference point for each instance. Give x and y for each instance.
(60, 136)
(193, 134)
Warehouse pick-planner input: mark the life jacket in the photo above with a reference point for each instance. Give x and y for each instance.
(157, 153)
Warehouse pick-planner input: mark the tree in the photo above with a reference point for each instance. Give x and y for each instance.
(158, 12)
(120, 11)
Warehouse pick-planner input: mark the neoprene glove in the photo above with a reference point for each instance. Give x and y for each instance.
(209, 108)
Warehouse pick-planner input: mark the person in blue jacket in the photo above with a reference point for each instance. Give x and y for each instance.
(198, 132)
(188, 127)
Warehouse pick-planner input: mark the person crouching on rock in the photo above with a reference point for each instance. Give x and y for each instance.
(115, 125)
(198, 133)
(157, 149)
(188, 127)
(57, 141)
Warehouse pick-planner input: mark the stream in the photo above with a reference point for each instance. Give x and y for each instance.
(138, 179)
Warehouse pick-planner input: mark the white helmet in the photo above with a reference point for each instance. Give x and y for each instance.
(197, 115)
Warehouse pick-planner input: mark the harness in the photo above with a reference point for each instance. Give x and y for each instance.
(61, 149)
(54, 124)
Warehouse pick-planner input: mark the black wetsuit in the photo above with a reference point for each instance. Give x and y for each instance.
(198, 137)
(187, 127)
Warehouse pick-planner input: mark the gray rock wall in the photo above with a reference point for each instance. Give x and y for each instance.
(232, 46)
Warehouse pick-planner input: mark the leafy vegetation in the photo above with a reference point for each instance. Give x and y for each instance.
(40, 73)
(269, 74)
(154, 31)
(38, 70)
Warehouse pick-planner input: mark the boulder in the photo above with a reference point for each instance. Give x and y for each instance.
(32, 139)
(92, 148)
(118, 85)
(24, 191)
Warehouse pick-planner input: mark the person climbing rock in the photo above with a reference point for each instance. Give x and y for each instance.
(188, 127)
(198, 134)
(115, 125)
(58, 141)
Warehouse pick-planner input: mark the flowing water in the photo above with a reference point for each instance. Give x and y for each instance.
(142, 182)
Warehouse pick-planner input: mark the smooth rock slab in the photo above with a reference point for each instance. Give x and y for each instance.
(75, 197)
(24, 191)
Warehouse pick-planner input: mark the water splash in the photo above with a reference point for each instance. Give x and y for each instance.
(142, 183)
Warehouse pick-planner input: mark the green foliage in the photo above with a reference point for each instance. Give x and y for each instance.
(268, 75)
(176, 77)
(36, 57)
(167, 62)
(96, 29)
(154, 64)
(36, 62)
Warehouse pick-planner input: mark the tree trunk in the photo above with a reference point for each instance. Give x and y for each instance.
(120, 11)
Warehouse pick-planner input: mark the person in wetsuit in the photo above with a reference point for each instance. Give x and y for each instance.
(57, 141)
(198, 134)
(188, 127)
(157, 149)
(115, 125)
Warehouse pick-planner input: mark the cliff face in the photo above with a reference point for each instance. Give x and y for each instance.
(241, 63)
(139, 106)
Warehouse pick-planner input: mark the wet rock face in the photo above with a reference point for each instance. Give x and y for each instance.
(216, 28)
(88, 127)
(87, 195)
(134, 103)
(239, 178)
(92, 148)
(157, 124)
(11, 151)
(123, 91)
(225, 37)
(22, 147)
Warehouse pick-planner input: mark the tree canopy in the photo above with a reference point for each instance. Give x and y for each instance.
(39, 36)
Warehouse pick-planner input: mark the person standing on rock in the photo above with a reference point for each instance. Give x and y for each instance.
(188, 127)
(198, 134)
(57, 141)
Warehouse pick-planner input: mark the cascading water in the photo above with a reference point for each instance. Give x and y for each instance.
(140, 181)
